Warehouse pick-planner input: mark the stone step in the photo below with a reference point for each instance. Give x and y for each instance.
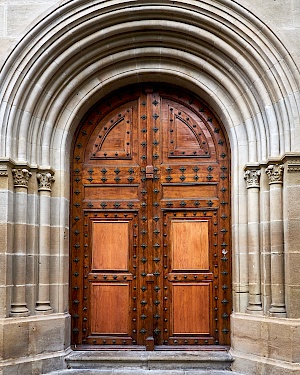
(150, 363)
(141, 372)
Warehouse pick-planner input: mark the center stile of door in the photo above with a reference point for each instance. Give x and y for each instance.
(150, 224)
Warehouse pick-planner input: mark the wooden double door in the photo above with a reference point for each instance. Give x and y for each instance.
(150, 215)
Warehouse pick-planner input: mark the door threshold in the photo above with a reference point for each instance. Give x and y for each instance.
(104, 348)
(157, 348)
(186, 348)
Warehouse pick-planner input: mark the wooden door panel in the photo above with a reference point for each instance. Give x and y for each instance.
(190, 245)
(110, 245)
(191, 309)
(110, 309)
(110, 192)
(191, 277)
(188, 191)
(111, 135)
(114, 140)
(150, 241)
(188, 136)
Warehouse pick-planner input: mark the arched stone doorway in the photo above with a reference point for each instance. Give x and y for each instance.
(77, 54)
(150, 223)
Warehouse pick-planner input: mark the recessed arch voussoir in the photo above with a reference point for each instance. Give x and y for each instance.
(82, 50)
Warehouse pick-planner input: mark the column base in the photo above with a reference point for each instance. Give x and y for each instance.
(19, 310)
(43, 308)
(255, 309)
(278, 311)
(35, 344)
(262, 345)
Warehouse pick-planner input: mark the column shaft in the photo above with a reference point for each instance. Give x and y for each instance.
(18, 304)
(43, 301)
(275, 173)
(255, 304)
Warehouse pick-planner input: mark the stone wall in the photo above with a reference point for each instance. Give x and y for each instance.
(58, 59)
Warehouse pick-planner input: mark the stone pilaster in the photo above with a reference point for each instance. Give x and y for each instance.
(291, 215)
(275, 174)
(252, 177)
(18, 305)
(6, 237)
(45, 180)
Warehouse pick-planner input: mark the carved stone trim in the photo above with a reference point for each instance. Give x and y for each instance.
(294, 165)
(3, 174)
(21, 177)
(252, 178)
(275, 173)
(45, 180)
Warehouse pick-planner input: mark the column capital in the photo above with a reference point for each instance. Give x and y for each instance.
(275, 173)
(45, 180)
(21, 177)
(252, 177)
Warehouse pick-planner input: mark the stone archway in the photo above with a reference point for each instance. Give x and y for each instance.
(74, 57)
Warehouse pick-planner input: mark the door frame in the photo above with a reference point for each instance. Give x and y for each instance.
(228, 199)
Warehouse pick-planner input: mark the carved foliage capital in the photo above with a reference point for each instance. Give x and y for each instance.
(275, 173)
(252, 178)
(21, 177)
(45, 180)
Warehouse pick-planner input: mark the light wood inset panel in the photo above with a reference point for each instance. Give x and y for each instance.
(191, 308)
(190, 245)
(112, 192)
(173, 191)
(110, 308)
(114, 139)
(110, 245)
(188, 137)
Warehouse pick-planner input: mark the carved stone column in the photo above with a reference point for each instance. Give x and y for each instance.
(45, 180)
(252, 179)
(275, 174)
(18, 305)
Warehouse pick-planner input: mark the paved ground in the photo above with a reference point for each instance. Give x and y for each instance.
(143, 372)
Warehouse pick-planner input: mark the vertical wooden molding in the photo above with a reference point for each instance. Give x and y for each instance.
(275, 174)
(45, 179)
(252, 177)
(18, 305)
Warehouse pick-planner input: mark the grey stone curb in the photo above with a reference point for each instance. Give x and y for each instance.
(142, 372)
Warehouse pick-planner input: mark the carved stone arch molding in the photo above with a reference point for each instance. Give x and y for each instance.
(85, 49)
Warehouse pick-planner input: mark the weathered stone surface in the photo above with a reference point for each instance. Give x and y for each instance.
(159, 360)
(262, 344)
(33, 336)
